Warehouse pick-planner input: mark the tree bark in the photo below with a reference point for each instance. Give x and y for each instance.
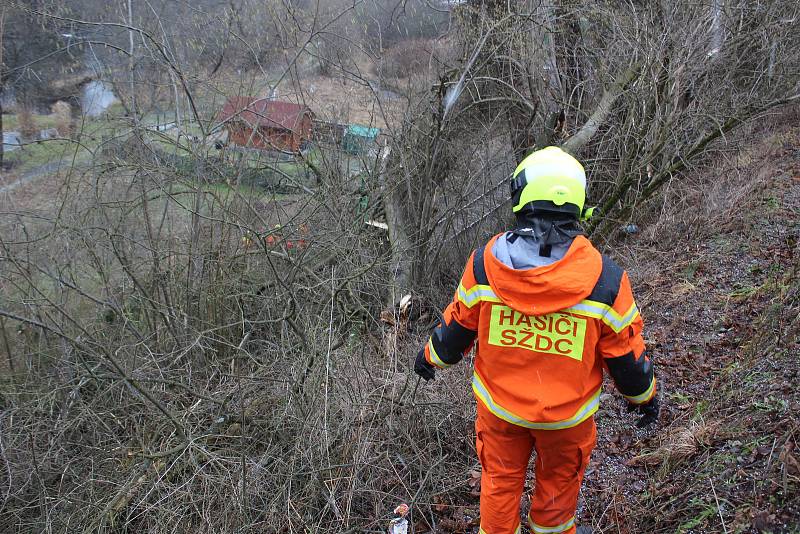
(2, 83)
(132, 63)
(400, 266)
(574, 144)
(544, 67)
(2, 146)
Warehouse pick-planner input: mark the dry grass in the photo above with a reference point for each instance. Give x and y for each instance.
(26, 123)
(167, 378)
(62, 114)
(346, 101)
(715, 271)
(681, 443)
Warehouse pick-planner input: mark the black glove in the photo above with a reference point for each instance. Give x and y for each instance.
(649, 412)
(423, 368)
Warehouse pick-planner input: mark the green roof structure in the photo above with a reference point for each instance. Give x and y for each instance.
(357, 137)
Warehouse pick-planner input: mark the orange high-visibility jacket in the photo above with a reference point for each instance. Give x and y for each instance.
(544, 336)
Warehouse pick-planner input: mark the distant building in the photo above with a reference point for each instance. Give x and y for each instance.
(354, 139)
(358, 138)
(266, 124)
(328, 133)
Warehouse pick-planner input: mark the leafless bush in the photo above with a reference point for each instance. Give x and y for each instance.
(27, 126)
(171, 341)
(62, 113)
(407, 58)
(175, 359)
(185, 355)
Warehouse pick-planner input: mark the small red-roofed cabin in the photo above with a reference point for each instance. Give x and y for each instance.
(266, 124)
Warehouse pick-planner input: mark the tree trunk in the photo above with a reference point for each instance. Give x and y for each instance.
(132, 63)
(574, 144)
(544, 68)
(716, 28)
(400, 266)
(2, 145)
(2, 83)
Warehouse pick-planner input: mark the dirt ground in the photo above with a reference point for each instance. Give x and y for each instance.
(717, 281)
(346, 101)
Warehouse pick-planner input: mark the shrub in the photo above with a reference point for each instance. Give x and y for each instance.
(406, 58)
(62, 112)
(27, 126)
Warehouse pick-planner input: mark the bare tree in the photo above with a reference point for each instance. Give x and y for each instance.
(202, 334)
(632, 90)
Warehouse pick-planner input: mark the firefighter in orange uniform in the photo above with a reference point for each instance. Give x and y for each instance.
(548, 313)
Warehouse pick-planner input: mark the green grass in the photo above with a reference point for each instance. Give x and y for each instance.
(690, 271)
(11, 122)
(40, 153)
(744, 292)
(258, 171)
(91, 132)
(704, 511)
(701, 408)
(224, 190)
(37, 153)
(772, 203)
(679, 398)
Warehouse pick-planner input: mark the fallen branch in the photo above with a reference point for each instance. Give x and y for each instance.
(574, 144)
(679, 163)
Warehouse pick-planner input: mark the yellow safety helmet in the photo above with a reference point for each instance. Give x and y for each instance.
(550, 180)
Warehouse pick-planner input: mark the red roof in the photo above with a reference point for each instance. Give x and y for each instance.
(263, 112)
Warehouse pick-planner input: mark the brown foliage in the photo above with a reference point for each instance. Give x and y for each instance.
(407, 58)
(62, 112)
(27, 125)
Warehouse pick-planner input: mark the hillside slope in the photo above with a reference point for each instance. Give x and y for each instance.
(717, 279)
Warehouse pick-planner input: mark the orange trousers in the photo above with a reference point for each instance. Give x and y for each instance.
(504, 451)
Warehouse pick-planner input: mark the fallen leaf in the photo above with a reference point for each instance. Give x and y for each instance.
(762, 520)
(474, 478)
(387, 317)
(790, 463)
(452, 525)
